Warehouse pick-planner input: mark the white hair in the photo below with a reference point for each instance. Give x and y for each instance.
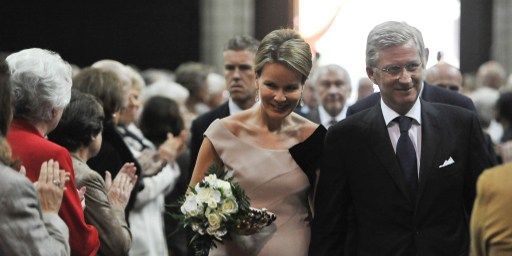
(118, 68)
(216, 83)
(41, 81)
(137, 82)
(322, 70)
(168, 89)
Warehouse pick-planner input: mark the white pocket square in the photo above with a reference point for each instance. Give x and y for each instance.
(447, 162)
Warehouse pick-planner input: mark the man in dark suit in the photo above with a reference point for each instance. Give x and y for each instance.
(238, 57)
(406, 169)
(332, 88)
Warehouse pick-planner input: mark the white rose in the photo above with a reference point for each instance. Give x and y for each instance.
(191, 207)
(211, 180)
(225, 187)
(209, 196)
(229, 206)
(214, 221)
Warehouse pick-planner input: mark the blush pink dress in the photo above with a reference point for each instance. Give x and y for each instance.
(273, 180)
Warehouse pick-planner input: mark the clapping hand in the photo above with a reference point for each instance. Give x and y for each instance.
(81, 194)
(173, 146)
(150, 162)
(119, 189)
(50, 185)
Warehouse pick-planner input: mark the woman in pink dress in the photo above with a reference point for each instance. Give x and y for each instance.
(272, 150)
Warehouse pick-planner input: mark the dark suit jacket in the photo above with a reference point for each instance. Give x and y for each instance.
(430, 93)
(199, 126)
(360, 172)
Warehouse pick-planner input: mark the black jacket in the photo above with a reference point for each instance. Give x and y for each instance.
(360, 172)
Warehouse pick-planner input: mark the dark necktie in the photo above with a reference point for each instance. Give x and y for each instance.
(407, 155)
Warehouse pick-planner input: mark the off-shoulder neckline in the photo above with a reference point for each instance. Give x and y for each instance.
(310, 137)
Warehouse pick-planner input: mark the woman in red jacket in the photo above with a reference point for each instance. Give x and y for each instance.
(42, 88)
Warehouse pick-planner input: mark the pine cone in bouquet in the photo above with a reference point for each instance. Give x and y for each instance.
(255, 220)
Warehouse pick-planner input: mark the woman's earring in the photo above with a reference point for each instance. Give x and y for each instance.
(257, 98)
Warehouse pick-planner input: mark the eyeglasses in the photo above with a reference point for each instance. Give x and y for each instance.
(395, 69)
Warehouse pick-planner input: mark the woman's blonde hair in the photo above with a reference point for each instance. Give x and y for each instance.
(284, 46)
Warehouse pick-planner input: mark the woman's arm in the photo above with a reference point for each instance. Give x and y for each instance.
(83, 237)
(206, 157)
(109, 219)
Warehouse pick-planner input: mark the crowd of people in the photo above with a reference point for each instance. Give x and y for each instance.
(93, 159)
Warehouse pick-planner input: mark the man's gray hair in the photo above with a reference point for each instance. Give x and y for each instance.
(322, 70)
(41, 81)
(392, 33)
(242, 43)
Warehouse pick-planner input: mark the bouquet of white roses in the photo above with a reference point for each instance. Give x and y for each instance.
(217, 207)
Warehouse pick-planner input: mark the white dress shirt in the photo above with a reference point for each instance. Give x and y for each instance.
(394, 131)
(233, 107)
(325, 118)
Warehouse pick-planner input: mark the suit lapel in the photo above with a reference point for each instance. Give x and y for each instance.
(430, 139)
(224, 109)
(380, 143)
(426, 94)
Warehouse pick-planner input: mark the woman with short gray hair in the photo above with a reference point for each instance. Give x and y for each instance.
(41, 81)
(42, 84)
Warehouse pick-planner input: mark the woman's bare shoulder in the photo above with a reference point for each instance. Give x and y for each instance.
(306, 127)
(235, 123)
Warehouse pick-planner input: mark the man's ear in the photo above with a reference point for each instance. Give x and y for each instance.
(370, 73)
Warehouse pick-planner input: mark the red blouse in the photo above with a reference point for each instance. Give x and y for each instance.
(32, 149)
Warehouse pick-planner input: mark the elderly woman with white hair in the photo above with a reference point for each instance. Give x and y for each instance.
(41, 81)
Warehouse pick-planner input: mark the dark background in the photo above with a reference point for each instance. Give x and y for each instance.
(146, 33)
(163, 34)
